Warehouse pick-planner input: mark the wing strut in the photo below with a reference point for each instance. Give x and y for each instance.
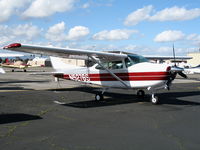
(116, 77)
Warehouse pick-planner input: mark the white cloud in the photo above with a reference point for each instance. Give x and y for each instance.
(9, 8)
(86, 5)
(175, 14)
(77, 33)
(58, 33)
(130, 47)
(29, 31)
(118, 34)
(26, 32)
(169, 36)
(4, 40)
(168, 14)
(194, 38)
(44, 8)
(138, 15)
(57, 28)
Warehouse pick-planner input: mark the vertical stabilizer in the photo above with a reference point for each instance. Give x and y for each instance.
(60, 66)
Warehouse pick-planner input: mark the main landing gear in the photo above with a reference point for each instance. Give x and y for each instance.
(99, 95)
(140, 94)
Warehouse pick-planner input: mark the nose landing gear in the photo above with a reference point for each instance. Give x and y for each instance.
(154, 99)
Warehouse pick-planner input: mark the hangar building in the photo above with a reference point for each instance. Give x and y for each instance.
(195, 61)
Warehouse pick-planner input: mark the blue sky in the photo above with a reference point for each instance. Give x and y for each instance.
(147, 27)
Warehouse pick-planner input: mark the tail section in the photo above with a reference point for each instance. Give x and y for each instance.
(1, 70)
(60, 66)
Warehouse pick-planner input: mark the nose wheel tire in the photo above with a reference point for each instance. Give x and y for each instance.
(154, 100)
(99, 97)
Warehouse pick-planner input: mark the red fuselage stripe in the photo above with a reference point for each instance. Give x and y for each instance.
(129, 74)
(138, 76)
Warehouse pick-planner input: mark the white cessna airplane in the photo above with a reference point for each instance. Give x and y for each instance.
(111, 70)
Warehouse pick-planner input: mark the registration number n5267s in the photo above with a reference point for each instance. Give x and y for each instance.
(79, 77)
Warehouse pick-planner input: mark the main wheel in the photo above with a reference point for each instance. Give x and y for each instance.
(99, 97)
(140, 94)
(154, 100)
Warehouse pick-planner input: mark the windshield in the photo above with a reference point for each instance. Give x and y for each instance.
(134, 59)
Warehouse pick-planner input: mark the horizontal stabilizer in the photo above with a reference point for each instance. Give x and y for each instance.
(2, 71)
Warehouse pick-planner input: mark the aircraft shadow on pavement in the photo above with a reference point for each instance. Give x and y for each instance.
(14, 88)
(171, 98)
(17, 117)
(24, 81)
(106, 102)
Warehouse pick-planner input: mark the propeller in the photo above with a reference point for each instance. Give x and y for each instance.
(174, 70)
(178, 70)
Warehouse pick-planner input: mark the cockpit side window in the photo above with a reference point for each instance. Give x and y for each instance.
(111, 65)
(128, 62)
(134, 59)
(105, 65)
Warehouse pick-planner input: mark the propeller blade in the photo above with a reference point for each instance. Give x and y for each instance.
(182, 74)
(176, 69)
(174, 55)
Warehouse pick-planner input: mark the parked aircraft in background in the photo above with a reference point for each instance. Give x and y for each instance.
(7, 55)
(192, 70)
(20, 64)
(16, 65)
(111, 70)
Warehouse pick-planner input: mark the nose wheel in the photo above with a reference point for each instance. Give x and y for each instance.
(154, 99)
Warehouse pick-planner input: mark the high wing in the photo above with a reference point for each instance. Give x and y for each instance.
(64, 52)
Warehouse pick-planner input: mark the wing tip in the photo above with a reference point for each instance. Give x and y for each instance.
(13, 45)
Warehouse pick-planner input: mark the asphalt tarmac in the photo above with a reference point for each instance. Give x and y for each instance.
(39, 114)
